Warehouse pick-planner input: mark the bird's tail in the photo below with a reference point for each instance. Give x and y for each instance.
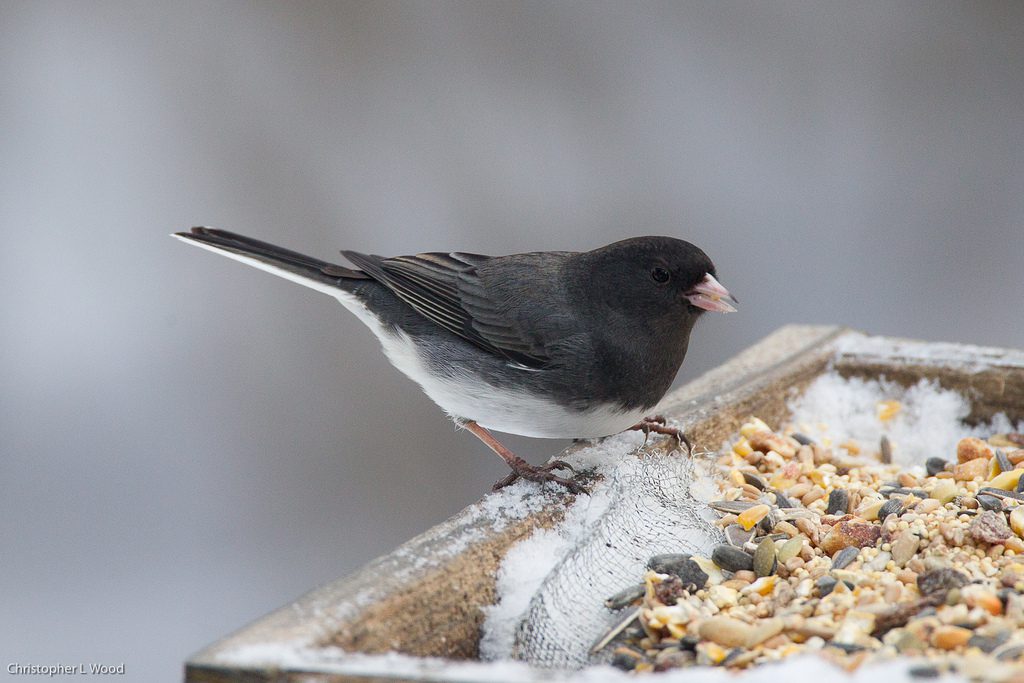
(320, 275)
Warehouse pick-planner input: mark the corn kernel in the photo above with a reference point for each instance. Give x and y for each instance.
(763, 586)
(1017, 521)
(742, 448)
(781, 482)
(887, 410)
(753, 426)
(990, 603)
(851, 446)
(716, 653)
(1006, 480)
(819, 478)
(676, 630)
(994, 468)
(751, 516)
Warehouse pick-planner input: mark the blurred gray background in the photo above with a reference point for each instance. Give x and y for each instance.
(188, 443)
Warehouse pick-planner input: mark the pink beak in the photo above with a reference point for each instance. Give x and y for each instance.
(710, 295)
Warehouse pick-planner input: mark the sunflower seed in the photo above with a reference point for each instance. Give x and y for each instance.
(731, 507)
(838, 502)
(1010, 652)
(802, 439)
(924, 672)
(693, 577)
(890, 507)
(844, 557)
(903, 491)
(999, 493)
(1002, 461)
(768, 523)
(736, 535)
(782, 501)
(731, 559)
(988, 643)
(825, 585)
(667, 563)
(988, 502)
(625, 597)
(754, 480)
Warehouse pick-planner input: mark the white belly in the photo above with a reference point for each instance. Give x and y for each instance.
(492, 407)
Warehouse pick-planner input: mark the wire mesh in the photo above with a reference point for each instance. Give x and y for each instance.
(658, 505)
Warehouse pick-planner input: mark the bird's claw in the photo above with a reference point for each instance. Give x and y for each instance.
(540, 475)
(557, 465)
(659, 425)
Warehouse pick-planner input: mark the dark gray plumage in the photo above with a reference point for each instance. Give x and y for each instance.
(550, 344)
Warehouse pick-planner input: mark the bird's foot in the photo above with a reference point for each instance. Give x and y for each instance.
(544, 473)
(521, 468)
(659, 425)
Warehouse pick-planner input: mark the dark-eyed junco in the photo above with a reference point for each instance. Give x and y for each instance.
(544, 344)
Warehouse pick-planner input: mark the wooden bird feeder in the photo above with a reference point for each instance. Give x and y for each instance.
(425, 598)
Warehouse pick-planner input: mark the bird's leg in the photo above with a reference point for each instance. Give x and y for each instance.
(521, 468)
(658, 425)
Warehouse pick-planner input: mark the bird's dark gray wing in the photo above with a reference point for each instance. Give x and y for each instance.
(447, 289)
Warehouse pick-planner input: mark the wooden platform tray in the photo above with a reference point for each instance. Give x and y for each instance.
(425, 598)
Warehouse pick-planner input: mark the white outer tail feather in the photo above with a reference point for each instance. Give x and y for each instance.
(262, 265)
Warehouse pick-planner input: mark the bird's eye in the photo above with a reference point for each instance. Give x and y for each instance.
(660, 275)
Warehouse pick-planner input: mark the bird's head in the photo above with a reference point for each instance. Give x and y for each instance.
(657, 276)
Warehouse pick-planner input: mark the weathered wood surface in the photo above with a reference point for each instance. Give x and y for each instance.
(425, 598)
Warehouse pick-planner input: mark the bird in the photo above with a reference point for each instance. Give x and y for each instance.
(548, 344)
